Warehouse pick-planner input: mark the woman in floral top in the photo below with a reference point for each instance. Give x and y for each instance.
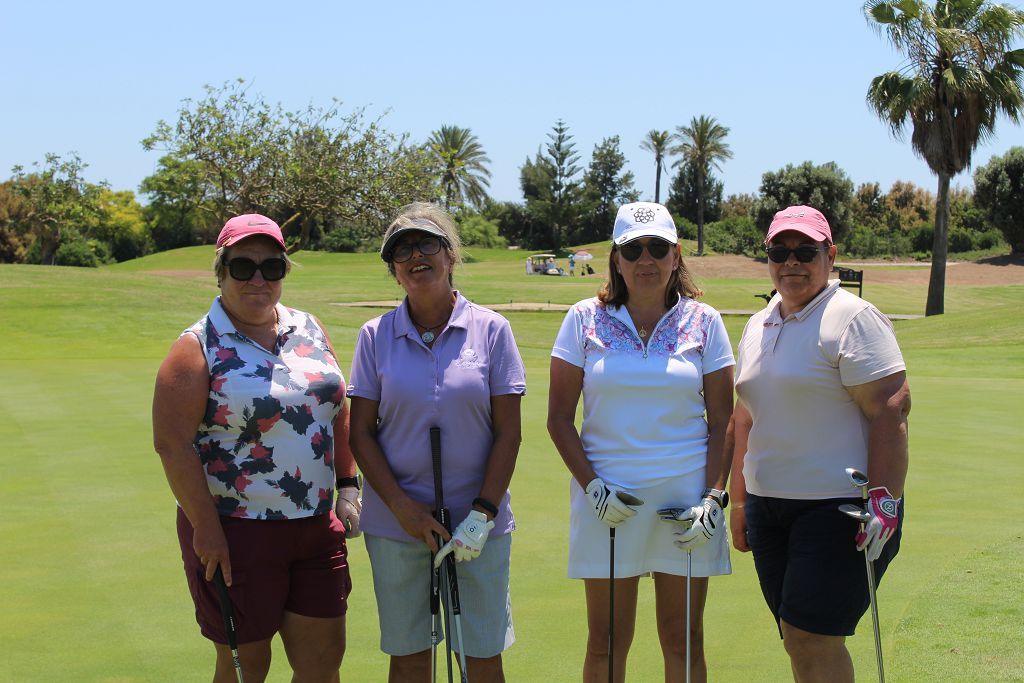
(649, 361)
(250, 422)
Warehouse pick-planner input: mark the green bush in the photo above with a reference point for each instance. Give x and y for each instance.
(990, 239)
(960, 240)
(734, 235)
(76, 252)
(479, 232)
(921, 238)
(860, 242)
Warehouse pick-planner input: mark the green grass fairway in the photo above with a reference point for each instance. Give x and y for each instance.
(91, 584)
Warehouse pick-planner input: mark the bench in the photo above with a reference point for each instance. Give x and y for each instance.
(848, 277)
(853, 279)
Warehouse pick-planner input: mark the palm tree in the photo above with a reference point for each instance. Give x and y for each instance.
(702, 143)
(959, 76)
(657, 142)
(464, 174)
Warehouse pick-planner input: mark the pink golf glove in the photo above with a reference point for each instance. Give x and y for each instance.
(884, 521)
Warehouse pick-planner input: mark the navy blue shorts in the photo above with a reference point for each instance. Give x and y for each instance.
(812, 575)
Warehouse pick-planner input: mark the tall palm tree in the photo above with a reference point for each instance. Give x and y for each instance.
(657, 141)
(464, 174)
(959, 76)
(702, 143)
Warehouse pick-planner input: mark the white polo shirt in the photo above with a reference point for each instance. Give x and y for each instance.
(643, 407)
(792, 376)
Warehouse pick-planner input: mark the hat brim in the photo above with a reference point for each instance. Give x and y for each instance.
(389, 244)
(816, 235)
(235, 239)
(637, 233)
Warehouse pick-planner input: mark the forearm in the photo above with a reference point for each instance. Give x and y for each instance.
(719, 459)
(187, 482)
(888, 456)
(501, 463)
(569, 445)
(736, 441)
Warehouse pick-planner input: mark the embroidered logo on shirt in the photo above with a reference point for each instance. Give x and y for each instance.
(468, 359)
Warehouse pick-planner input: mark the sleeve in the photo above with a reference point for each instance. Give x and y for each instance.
(868, 350)
(717, 349)
(506, 372)
(363, 381)
(569, 344)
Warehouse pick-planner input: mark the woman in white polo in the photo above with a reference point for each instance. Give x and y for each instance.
(649, 361)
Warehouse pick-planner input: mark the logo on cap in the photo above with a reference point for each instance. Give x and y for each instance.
(643, 215)
(255, 223)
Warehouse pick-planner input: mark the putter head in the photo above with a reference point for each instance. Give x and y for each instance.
(857, 478)
(856, 512)
(628, 498)
(679, 515)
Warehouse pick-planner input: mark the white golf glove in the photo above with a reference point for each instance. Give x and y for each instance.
(705, 520)
(610, 504)
(884, 511)
(347, 508)
(468, 539)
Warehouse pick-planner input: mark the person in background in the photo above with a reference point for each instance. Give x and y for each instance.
(251, 425)
(650, 361)
(437, 360)
(821, 387)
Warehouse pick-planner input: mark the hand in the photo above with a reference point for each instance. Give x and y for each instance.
(468, 539)
(738, 528)
(884, 511)
(211, 546)
(347, 508)
(609, 506)
(705, 519)
(418, 521)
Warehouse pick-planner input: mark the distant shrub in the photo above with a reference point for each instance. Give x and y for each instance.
(76, 252)
(960, 240)
(734, 235)
(990, 239)
(477, 231)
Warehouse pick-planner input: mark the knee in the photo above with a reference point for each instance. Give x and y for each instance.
(672, 633)
(802, 644)
(319, 665)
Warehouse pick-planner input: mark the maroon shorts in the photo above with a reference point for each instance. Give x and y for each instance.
(294, 565)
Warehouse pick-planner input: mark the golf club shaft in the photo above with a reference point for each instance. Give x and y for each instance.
(456, 610)
(870, 568)
(689, 574)
(228, 613)
(611, 605)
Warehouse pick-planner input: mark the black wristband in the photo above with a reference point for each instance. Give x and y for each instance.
(487, 505)
(347, 482)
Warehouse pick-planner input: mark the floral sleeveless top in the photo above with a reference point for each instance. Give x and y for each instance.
(267, 439)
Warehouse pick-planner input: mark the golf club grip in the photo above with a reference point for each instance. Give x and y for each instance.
(435, 456)
(225, 608)
(453, 585)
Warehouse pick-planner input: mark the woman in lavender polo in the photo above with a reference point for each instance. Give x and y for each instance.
(437, 360)
(250, 422)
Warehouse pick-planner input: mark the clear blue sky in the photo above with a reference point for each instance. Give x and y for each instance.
(788, 78)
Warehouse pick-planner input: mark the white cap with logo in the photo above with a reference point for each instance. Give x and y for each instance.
(643, 219)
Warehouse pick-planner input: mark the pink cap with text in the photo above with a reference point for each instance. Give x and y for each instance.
(247, 225)
(803, 219)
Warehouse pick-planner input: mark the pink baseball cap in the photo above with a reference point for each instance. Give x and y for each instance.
(247, 225)
(803, 219)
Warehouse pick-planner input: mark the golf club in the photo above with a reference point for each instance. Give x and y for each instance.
(675, 514)
(628, 499)
(228, 612)
(452, 605)
(860, 480)
(435, 613)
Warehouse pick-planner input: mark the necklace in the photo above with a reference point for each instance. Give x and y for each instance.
(428, 332)
(642, 328)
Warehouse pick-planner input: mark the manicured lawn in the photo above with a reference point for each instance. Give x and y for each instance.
(92, 587)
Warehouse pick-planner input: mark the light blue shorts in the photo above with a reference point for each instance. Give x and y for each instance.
(401, 582)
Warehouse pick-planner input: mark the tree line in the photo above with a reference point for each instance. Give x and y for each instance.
(332, 179)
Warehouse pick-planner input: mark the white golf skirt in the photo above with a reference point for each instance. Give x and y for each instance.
(643, 543)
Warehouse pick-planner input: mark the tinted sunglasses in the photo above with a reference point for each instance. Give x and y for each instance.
(658, 249)
(804, 254)
(427, 246)
(272, 269)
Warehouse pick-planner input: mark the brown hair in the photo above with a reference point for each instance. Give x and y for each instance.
(614, 292)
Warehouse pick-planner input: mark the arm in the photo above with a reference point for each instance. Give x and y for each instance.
(507, 425)
(886, 404)
(736, 441)
(416, 518)
(718, 404)
(563, 397)
(179, 404)
(344, 463)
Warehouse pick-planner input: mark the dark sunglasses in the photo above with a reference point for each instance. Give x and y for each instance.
(272, 269)
(804, 254)
(427, 246)
(658, 249)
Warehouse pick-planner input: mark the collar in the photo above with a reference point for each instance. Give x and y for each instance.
(774, 316)
(404, 326)
(286, 322)
(622, 315)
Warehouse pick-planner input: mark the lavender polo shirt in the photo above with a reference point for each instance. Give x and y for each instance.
(448, 386)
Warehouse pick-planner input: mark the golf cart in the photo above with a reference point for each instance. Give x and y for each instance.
(542, 264)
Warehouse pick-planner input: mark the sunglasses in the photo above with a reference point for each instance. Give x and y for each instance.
(804, 254)
(658, 249)
(272, 269)
(428, 246)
